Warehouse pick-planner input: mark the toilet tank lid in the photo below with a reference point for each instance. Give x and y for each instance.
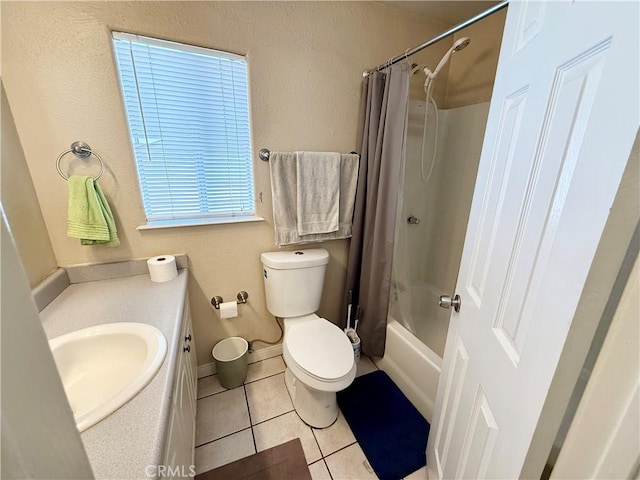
(295, 259)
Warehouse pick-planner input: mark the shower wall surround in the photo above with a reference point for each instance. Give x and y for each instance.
(428, 254)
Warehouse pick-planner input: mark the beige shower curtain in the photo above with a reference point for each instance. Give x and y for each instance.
(381, 139)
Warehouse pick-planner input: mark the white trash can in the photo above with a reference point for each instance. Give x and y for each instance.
(231, 356)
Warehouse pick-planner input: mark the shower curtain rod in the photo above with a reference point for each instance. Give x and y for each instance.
(451, 31)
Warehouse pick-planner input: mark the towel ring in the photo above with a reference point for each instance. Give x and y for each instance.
(80, 150)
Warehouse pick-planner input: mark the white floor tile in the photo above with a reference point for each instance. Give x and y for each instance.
(420, 474)
(220, 415)
(335, 437)
(284, 428)
(350, 464)
(319, 471)
(268, 398)
(365, 366)
(265, 368)
(209, 385)
(225, 450)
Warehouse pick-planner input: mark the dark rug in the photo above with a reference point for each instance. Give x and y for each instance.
(284, 462)
(390, 431)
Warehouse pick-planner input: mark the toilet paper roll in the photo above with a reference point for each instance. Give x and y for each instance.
(162, 268)
(228, 310)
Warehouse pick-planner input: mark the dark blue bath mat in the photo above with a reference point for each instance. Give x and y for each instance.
(390, 431)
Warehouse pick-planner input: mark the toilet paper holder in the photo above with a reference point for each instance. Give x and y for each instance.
(241, 297)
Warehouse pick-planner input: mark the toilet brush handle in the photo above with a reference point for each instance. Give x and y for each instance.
(349, 304)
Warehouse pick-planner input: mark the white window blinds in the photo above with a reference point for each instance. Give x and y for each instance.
(188, 114)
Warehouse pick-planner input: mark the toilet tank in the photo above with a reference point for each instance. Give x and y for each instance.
(293, 281)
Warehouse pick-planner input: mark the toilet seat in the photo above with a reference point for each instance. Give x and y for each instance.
(318, 350)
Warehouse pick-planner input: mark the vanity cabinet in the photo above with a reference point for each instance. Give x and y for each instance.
(180, 441)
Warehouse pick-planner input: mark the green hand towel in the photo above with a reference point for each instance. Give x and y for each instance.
(89, 215)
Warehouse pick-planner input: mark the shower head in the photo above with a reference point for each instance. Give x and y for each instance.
(457, 46)
(461, 44)
(416, 68)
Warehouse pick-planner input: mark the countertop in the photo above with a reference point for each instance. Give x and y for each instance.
(122, 445)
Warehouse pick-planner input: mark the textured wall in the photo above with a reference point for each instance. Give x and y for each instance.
(21, 204)
(305, 66)
(473, 69)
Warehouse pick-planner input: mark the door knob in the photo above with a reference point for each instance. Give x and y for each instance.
(447, 302)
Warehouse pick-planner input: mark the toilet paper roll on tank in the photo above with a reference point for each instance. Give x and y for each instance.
(162, 268)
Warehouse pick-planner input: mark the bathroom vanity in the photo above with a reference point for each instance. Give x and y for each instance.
(153, 434)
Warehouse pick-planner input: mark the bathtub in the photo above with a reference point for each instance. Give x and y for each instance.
(412, 366)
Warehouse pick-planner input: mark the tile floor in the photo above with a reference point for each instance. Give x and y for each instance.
(232, 424)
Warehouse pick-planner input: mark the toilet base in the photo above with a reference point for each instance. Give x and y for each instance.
(315, 408)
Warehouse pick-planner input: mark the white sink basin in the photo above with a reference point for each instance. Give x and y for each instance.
(105, 366)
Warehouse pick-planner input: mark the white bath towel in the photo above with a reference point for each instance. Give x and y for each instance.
(318, 192)
(283, 171)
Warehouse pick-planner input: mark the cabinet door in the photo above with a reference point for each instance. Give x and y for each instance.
(190, 381)
(180, 444)
(176, 435)
(190, 344)
(185, 413)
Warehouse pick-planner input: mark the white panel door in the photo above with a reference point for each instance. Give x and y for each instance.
(563, 117)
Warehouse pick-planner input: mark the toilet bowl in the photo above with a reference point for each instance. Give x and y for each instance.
(318, 354)
(320, 362)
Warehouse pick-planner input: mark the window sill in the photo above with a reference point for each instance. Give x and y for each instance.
(195, 222)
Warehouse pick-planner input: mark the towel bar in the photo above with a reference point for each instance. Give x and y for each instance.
(264, 153)
(80, 150)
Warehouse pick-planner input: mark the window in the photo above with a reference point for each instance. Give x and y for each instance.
(188, 114)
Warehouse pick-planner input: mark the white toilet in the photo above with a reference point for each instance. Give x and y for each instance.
(318, 354)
